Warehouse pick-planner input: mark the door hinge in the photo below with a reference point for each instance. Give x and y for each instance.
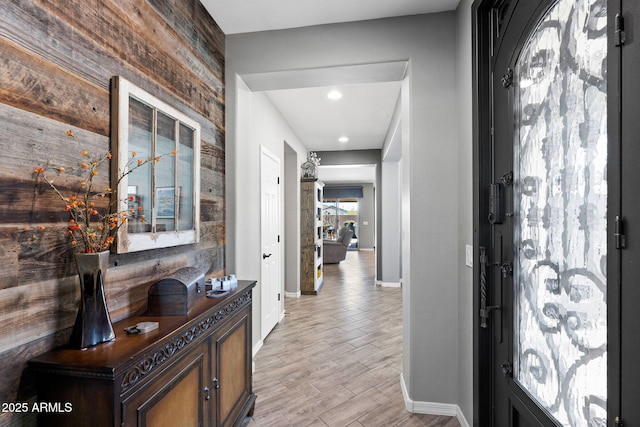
(278, 296)
(278, 180)
(620, 238)
(507, 79)
(507, 269)
(507, 369)
(618, 422)
(618, 32)
(278, 238)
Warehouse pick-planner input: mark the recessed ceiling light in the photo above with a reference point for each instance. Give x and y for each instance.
(343, 139)
(334, 94)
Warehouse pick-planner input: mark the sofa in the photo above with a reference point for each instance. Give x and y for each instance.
(335, 251)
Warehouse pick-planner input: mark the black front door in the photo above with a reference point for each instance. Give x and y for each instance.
(548, 194)
(628, 290)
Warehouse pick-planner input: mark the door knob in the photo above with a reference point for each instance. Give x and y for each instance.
(265, 256)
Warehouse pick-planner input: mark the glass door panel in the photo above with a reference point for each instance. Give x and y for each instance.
(560, 351)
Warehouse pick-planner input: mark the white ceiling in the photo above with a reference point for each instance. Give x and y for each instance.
(246, 16)
(370, 91)
(362, 114)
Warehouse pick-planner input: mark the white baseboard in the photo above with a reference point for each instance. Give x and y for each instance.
(292, 294)
(461, 419)
(432, 408)
(389, 284)
(257, 347)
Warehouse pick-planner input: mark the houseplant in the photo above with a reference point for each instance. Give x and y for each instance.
(92, 225)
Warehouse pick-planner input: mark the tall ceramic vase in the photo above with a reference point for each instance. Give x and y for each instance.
(93, 325)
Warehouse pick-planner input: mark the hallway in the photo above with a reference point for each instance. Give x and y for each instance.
(336, 358)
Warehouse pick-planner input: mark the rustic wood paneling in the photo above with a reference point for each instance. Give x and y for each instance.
(18, 387)
(194, 24)
(31, 83)
(56, 62)
(82, 39)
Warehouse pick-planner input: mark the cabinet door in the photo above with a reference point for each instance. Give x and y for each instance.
(176, 397)
(231, 369)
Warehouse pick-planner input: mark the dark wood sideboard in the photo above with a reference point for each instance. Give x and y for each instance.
(194, 370)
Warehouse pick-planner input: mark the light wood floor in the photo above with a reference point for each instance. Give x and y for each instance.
(336, 358)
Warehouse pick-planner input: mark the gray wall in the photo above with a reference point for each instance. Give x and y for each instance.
(391, 238)
(367, 218)
(291, 221)
(430, 185)
(260, 124)
(391, 199)
(465, 209)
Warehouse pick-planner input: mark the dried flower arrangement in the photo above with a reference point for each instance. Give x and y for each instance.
(92, 224)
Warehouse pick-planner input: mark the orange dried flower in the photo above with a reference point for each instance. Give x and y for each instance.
(89, 226)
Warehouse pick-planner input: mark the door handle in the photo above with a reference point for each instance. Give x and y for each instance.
(266, 256)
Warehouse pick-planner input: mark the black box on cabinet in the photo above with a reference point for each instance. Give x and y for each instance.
(177, 294)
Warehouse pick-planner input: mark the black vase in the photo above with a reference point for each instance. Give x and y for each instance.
(93, 325)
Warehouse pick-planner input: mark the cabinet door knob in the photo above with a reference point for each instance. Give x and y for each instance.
(207, 395)
(216, 384)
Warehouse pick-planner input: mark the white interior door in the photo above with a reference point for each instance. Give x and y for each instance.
(270, 239)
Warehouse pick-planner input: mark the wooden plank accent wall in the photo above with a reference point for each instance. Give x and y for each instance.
(56, 61)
